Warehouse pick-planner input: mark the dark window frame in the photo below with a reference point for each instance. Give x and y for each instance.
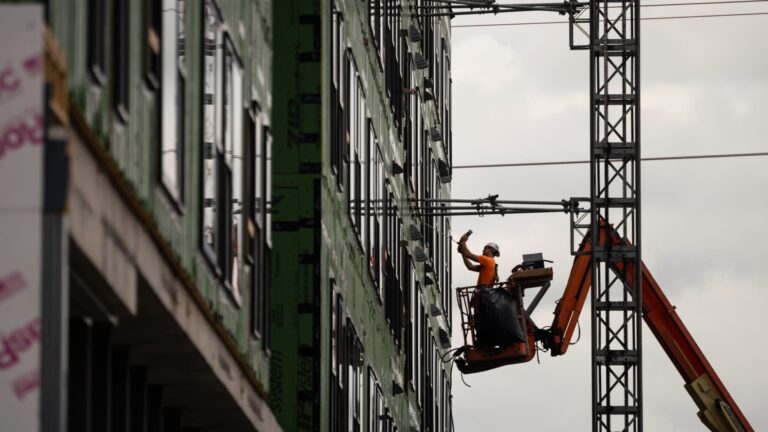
(409, 270)
(251, 253)
(228, 261)
(420, 356)
(181, 134)
(347, 366)
(257, 251)
(375, 202)
(337, 108)
(353, 375)
(120, 59)
(376, 12)
(152, 31)
(209, 148)
(266, 237)
(224, 57)
(445, 100)
(173, 186)
(336, 371)
(393, 288)
(375, 403)
(354, 159)
(96, 48)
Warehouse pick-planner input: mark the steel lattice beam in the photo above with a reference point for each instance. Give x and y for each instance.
(610, 30)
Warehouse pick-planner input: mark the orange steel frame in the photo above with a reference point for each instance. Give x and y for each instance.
(658, 313)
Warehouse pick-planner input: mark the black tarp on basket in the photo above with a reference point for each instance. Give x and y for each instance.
(496, 318)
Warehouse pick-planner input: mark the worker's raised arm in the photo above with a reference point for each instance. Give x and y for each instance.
(465, 252)
(468, 264)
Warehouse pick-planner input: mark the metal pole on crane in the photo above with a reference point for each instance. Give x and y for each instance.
(612, 32)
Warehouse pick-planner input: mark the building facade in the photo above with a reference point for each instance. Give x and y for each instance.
(162, 291)
(362, 297)
(242, 216)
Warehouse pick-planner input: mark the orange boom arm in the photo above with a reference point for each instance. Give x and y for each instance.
(717, 409)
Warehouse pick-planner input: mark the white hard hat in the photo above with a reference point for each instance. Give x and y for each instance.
(494, 247)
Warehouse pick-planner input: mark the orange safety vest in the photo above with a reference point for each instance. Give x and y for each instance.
(487, 274)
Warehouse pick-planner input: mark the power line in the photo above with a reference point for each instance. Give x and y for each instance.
(499, 8)
(513, 7)
(474, 9)
(650, 159)
(700, 3)
(645, 19)
(694, 3)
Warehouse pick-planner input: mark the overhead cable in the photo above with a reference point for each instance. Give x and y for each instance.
(528, 23)
(693, 3)
(649, 159)
(562, 8)
(703, 3)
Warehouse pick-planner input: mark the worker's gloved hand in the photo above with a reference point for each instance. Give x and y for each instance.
(463, 241)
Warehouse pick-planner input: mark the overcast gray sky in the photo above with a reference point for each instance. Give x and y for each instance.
(520, 95)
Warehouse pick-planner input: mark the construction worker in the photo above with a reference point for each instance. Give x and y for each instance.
(486, 263)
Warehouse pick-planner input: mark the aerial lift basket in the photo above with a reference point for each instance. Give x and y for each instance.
(476, 357)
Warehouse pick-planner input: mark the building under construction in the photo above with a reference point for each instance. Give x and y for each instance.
(361, 295)
(155, 289)
(227, 229)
